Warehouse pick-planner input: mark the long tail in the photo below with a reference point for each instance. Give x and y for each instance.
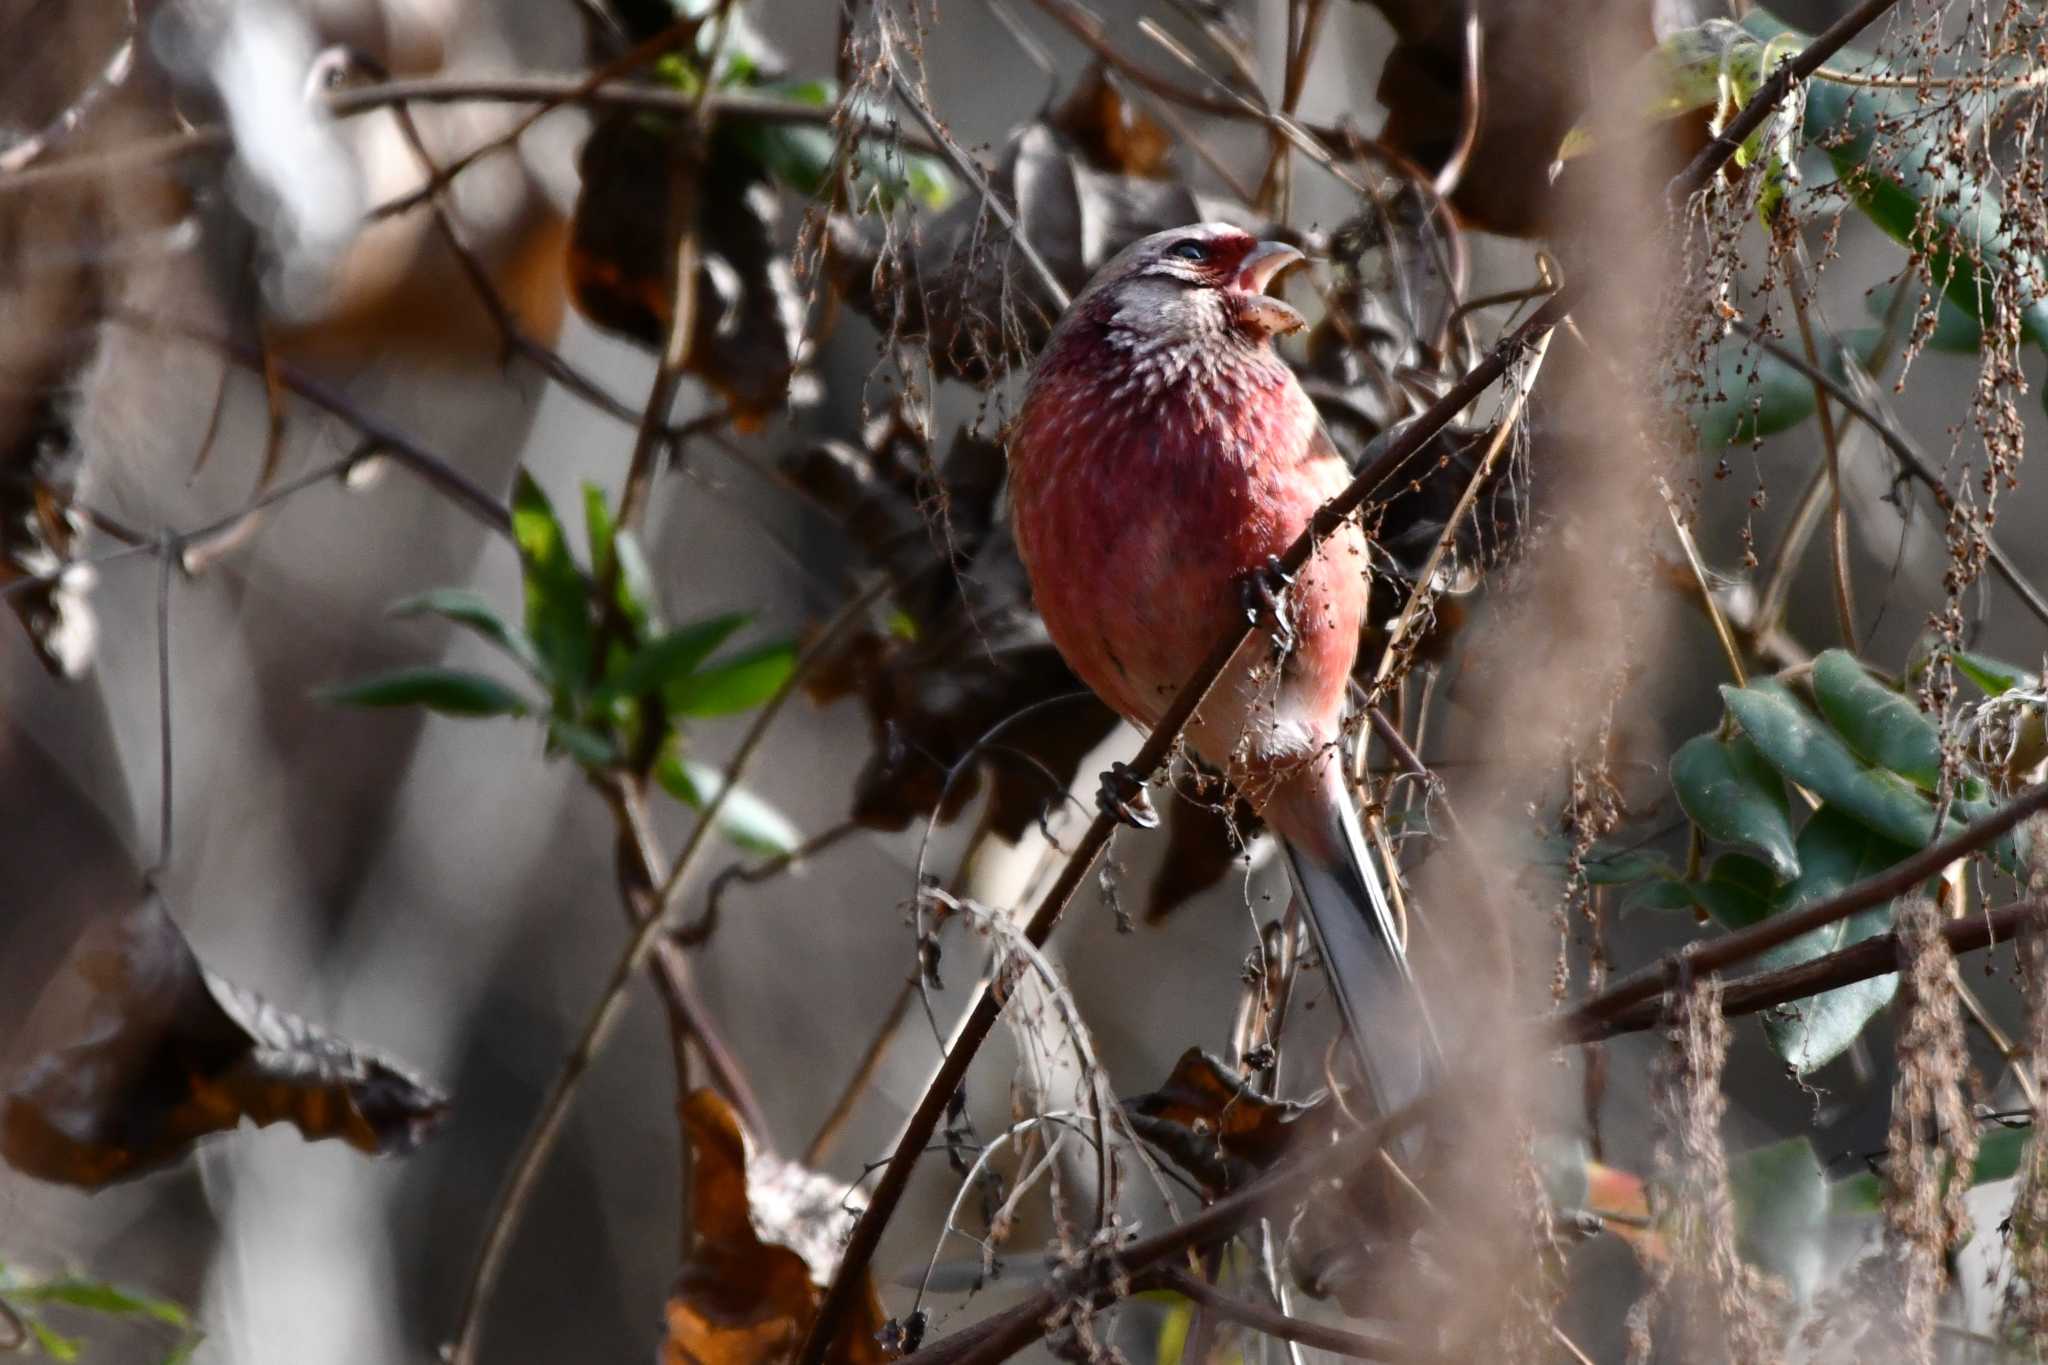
(1337, 878)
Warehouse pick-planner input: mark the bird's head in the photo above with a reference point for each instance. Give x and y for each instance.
(1201, 285)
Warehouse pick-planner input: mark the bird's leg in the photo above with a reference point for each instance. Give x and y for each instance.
(1122, 796)
(1264, 593)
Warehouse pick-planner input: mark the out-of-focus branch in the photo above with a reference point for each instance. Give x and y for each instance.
(1873, 956)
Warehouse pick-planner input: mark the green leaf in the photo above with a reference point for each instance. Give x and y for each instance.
(1781, 1209)
(1735, 797)
(671, 658)
(638, 596)
(1994, 677)
(1877, 722)
(745, 818)
(473, 610)
(1710, 64)
(1749, 394)
(583, 744)
(1808, 752)
(451, 691)
(1911, 189)
(2000, 1152)
(1736, 893)
(557, 594)
(739, 684)
(98, 1297)
(1954, 330)
(801, 156)
(51, 1344)
(1835, 851)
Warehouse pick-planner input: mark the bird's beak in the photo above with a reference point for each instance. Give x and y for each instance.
(1262, 263)
(1258, 312)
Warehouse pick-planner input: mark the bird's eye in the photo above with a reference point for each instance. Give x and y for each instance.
(1189, 250)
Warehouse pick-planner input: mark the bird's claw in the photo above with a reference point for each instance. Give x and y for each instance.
(1122, 797)
(1264, 592)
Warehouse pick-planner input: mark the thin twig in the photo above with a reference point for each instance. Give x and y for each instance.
(1260, 1318)
(439, 474)
(1909, 456)
(156, 153)
(1712, 604)
(834, 1124)
(964, 166)
(1831, 448)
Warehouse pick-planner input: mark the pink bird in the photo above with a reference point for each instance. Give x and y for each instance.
(1163, 457)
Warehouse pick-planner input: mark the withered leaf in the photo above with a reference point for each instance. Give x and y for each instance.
(767, 1238)
(1216, 1128)
(968, 294)
(962, 654)
(638, 191)
(135, 1051)
(1114, 134)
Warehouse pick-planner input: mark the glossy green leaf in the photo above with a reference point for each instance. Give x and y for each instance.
(1954, 330)
(1835, 850)
(746, 819)
(1737, 892)
(1735, 797)
(451, 691)
(1808, 752)
(738, 684)
(801, 156)
(1911, 189)
(474, 611)
(583, 744)
(1993, 677)
(669, 659)
(1781, 1209)
(2000, 1152)
(557, 594)
(1878, 723)
(1748, 394)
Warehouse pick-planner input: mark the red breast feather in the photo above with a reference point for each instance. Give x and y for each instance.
(1145, 482)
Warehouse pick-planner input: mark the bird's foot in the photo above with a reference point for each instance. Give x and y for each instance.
(1264, 593)
(1122, 797)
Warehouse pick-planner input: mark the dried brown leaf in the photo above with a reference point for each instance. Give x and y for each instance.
(767, 1239)
(1215, 1127)
(136, 1051)
(747, 343)
(1112, 133)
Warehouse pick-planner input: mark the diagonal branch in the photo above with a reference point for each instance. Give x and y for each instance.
(1586, 1020)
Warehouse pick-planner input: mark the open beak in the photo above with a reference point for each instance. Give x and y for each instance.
(1262, 263)
(1257, 311)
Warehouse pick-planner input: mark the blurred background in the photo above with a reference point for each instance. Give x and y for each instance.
(445, 891)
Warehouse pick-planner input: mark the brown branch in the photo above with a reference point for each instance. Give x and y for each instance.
(1258, 1317)
(1586, 1020)
(1874, 956)
(157, 152)
(439, 474)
